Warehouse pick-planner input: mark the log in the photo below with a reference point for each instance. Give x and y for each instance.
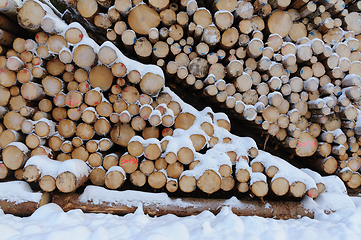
(146, 167)
(25, 208)
(111, 160)
(138, 178)
(297, 189)
(258, 185)
(15, 155)
(151, 84)
(174, 170)
(7, 77)
(121, 134)
(66, 128)
(140, 15)
(184, 121)
(31, 21)
(157, 180)
(97, 176)
(68, 182)
(278, 210)
(172, 185)
(114, 177)
(355, 180)
(280, 186)
(4, 171)
(187, 183)
(8, 136)
(105, 74)
(209, 182)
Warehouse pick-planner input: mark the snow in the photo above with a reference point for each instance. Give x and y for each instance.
(53, 168)
(257, 177)
(45, 165)
(177, 141)
(333, 199)
(211, 160)
(129, 198)
(314, 175)
(155, 141)
(76, 166)
(186, 108)
(51, 222)
(285, 169)
(18, 192)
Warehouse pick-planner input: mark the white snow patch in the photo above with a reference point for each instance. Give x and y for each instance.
(18, 192)
(130, 198)
(76, 166)
(285, 169)
(234, 202)
(45, 165)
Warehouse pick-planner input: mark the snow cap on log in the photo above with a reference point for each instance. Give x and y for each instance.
(45, 165)
(211, 160)
(119, 169)
(286, 170)
(18, 192)
(130, 198)
(76, 166)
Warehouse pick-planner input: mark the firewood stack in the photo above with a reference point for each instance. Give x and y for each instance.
(289, 70)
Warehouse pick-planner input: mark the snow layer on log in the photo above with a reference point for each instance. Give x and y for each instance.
(118, 169)
(45, 165)
(286, 170)
(76, 166)
(236, 203)
(334, 198)
(211, 160)
(314, 175)
(53, 168)
(18, 192)
(334, 185)
(130, 198)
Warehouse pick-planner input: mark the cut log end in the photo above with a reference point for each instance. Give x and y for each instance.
(31, 173)
(209, 182)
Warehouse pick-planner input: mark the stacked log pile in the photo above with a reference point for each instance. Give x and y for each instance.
(291, 71)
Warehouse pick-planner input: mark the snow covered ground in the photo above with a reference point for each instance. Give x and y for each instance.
(51, 222)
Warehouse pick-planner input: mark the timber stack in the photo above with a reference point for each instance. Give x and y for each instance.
(289, 71)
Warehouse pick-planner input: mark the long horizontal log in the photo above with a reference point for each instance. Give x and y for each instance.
(278, 210)
(24, 209)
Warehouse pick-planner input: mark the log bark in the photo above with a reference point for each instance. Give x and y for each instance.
(278, 210)
(25, 208)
